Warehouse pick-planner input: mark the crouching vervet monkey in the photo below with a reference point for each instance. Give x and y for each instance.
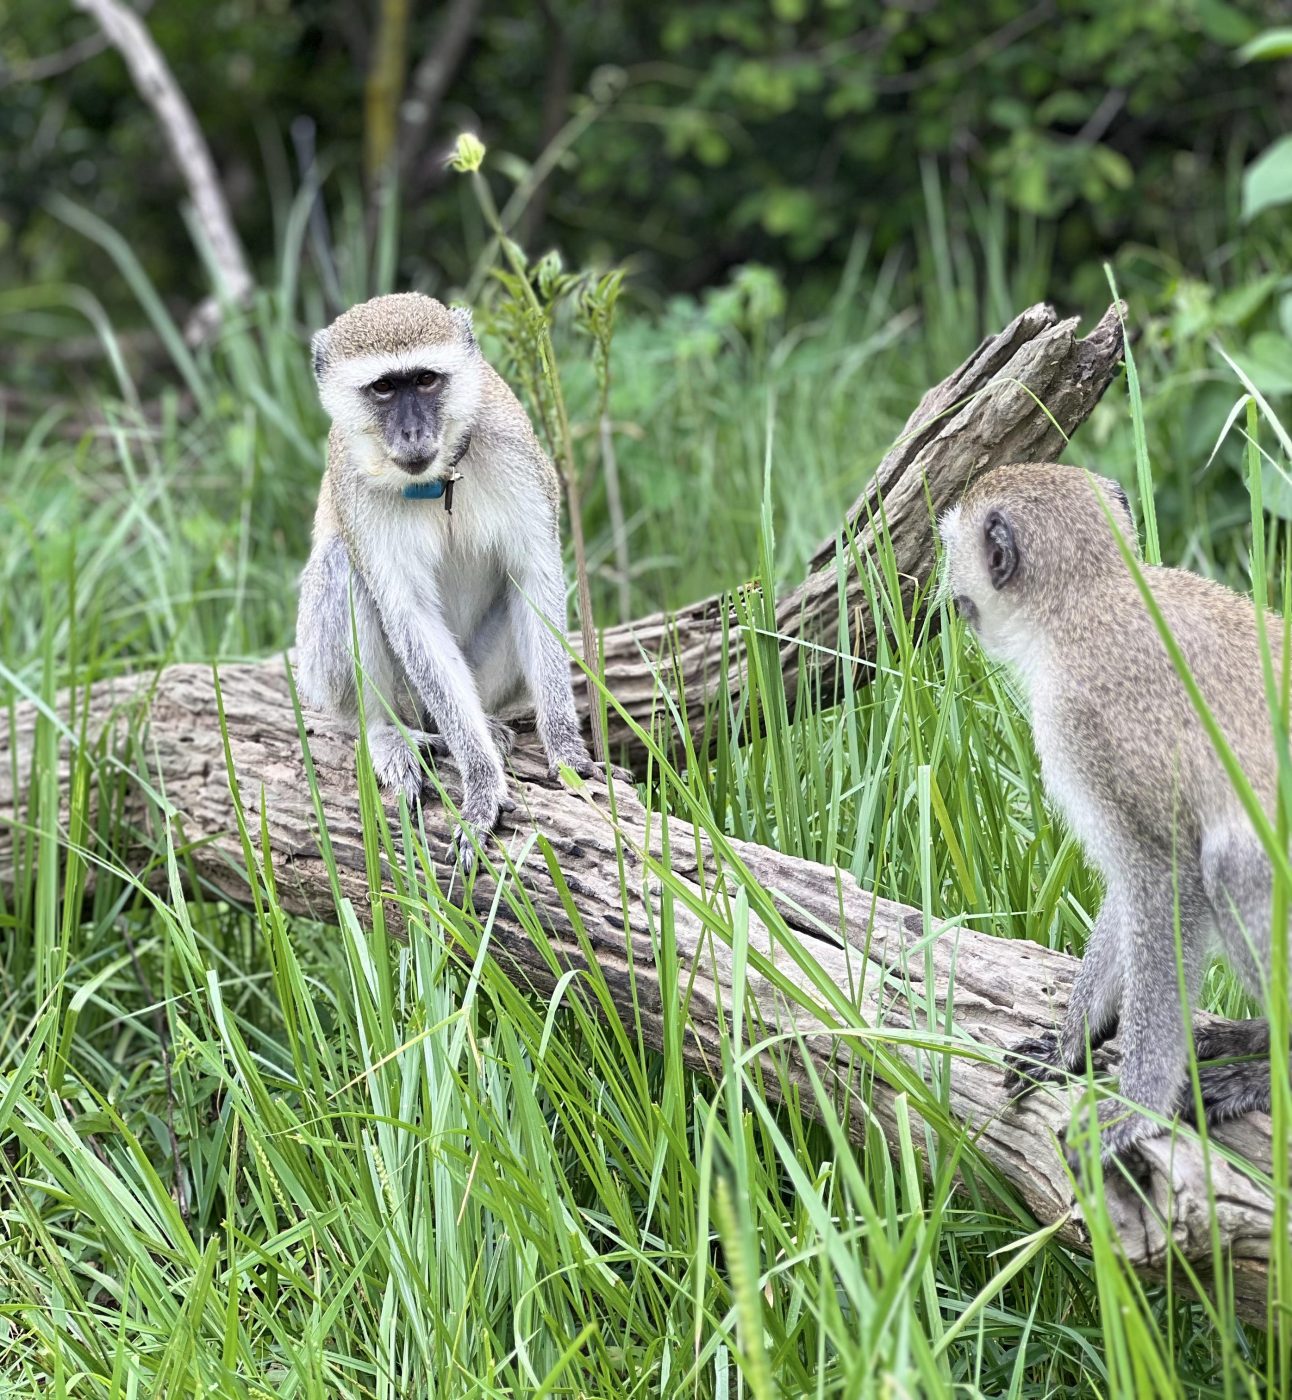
(436, 539)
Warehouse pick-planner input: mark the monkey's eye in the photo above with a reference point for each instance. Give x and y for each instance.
(383, 388)
(429, 379)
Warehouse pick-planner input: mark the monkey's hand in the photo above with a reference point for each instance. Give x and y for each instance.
(1122, 1128)
(484, 801)
(1037, 1060)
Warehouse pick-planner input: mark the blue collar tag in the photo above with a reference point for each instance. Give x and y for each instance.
(424, 490)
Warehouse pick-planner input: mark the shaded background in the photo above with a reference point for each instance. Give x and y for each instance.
(688, 138)
(368, 1168)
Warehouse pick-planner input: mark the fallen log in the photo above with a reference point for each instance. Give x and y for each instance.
(826, 957)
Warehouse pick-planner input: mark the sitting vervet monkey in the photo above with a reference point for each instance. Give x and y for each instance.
(1035, 570)
(437, 533)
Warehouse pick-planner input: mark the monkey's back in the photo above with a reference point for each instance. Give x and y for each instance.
(1118, 726)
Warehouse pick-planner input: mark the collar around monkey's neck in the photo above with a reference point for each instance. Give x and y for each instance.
(443, 486)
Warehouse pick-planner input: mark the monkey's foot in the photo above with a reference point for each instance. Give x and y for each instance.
(1122, 1129)
(396, 763)
(434, 743)
(581, 762)
(503, 736)
(1037, 1060)
(1229, 1091)
(1226, 1040)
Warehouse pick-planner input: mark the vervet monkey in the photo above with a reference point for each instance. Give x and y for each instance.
(1035, 569)
(436, 540)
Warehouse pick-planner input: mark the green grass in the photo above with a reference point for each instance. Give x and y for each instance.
(398, 1175)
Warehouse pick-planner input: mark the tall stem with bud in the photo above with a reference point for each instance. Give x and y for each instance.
(468, 156)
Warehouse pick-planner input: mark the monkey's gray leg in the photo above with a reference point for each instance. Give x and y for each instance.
(1236, 876)
(324, 660)
(438, 673)
(1153, 1027)
(491, 655)
(493, 658)
(1092, 1009)
(537, 606)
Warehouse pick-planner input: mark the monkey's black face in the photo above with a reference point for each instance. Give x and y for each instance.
(408, 409)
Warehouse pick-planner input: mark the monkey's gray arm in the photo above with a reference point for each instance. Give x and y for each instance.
(438, 673)
(336, 609)
(536, 600)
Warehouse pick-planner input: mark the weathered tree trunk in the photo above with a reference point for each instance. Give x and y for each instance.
(883, 969)
(430, 82)
(888, 975)
(1018, 398)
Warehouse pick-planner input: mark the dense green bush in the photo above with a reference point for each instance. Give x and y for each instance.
(707, 135)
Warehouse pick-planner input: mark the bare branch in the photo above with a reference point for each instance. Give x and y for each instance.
(967, 993)
(1018, 398)
(157, 86)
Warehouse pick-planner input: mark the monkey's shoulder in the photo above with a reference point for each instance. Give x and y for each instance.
(505, 437)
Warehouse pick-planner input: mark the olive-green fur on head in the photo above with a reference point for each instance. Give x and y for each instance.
(390, 325)
(396, 336)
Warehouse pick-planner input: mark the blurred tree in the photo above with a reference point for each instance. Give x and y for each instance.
(706, 133)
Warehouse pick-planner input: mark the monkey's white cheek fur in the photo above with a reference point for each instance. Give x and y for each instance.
(949, 530)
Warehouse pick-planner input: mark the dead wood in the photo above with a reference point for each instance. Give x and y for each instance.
(1018, 398)
(888, 972)
(183, 136)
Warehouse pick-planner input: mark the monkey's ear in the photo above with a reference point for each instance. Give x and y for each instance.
(1002, 549)
(318, 352)
(462, 318)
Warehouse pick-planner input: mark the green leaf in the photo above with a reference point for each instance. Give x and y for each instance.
(1225, 24)
(1276, 491)
(1267, 181)
(1267, 363)
(1274, 43)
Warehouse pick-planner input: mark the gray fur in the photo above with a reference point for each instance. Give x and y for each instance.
(1125, 758)
(443, 604)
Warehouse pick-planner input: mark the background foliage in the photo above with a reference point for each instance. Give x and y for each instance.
(705, 135)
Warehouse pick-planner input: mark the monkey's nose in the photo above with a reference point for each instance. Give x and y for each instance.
(966, 607)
